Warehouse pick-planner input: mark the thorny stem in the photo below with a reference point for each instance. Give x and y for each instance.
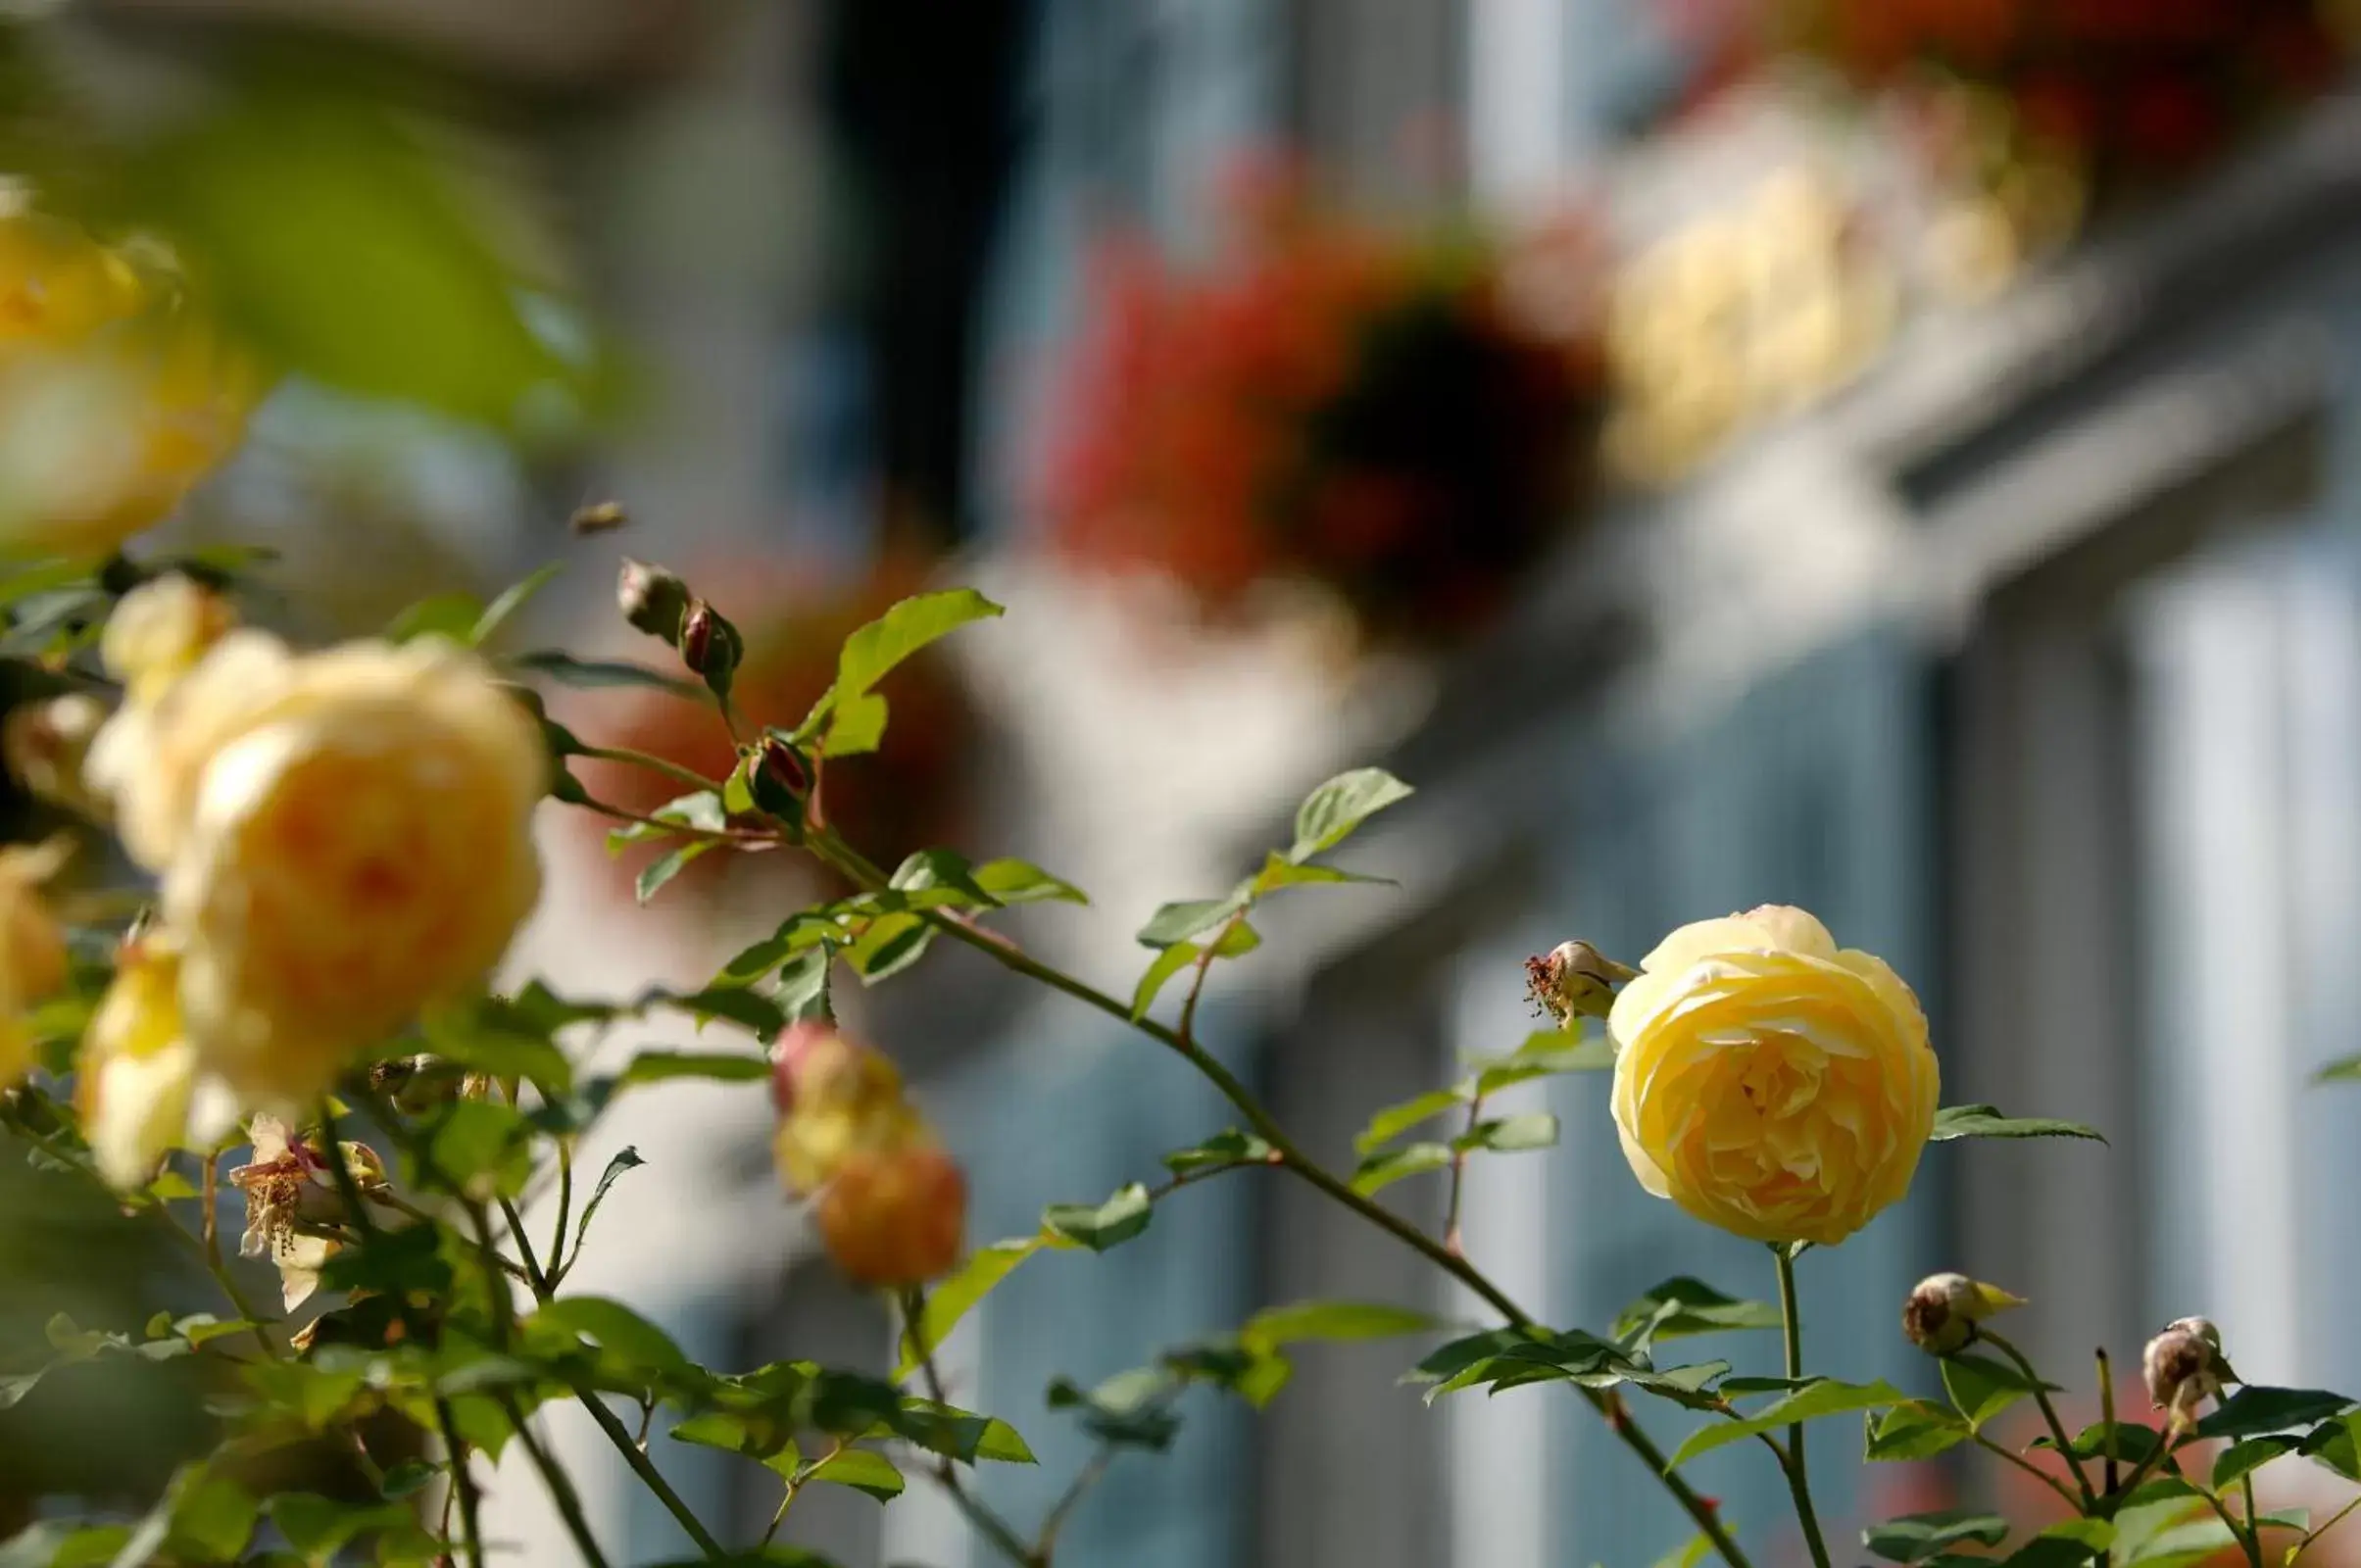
(558, 1265)
(1044, 1544)
(635, 1452)
(2029, 1467)
(990, 1525)
(1798, 1484)
(463, 1482)
(1452, 1241)
(655, 764)
(841, 855)
(561, 1487)
(2314, 1533)
(2050, 1411)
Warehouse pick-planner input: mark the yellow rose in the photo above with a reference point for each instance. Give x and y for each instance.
(160, 631)
(148, 760)
(345, 838)
(836, 1100)
(101, 438)
(57, 284)
(1769, 1083)
(32, 950)
(138, 1085)
(45, 745)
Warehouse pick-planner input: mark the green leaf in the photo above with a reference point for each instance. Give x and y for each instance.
(484, 1147)
(1174, 923)
(699, 808)
(2240, 1458)
(891, 944)
(667, 865)
(1985, 1121)
(725, 1066)
(2183, 1543)
(2129, 1441)
(1511, 1135)
(409, 1477)
(1334, 1321)
(1023, 882)
(2252, 1411)
(451, 617)
(1545, 1055)
(1224, 1149)
(1382, 1170)
(1131, 1409)
(863, 1470)
(1278, 871)
(1395, 1120)
(1683, 1306)
(1330, 812)
(956, 1434)
(1913, 1537)
(953, 1299)
(1982, 1387)
(626, 1159)
(514, 598)
(854, 716)
(1826, 1398)
(212, 1517)
(481, 1041)
(1169, 962)
(330, 232)
(741, 1006)
(1913, 1431)
(942, 869)
(629, 1340)
(598, 675)
(1109, 1224)
(2337, 1445)
(1689, 1556)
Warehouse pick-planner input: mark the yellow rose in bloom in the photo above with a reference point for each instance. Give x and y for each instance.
(344, 838)
(1769, 1083)
(32, 950)
(894, 1217)
(138, 1085)
(357, 844)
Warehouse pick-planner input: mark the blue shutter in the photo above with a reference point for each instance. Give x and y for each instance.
(1071, 1116)
(1812, 790)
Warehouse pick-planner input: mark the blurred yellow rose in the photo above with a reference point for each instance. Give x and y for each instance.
(138, 1085)
(57, 284)
(894, 1217)
(1769, 1083)
(160, 631)
(32, 948)
(344, 838)
(101, 439)
(836, 1100)
(117, 395)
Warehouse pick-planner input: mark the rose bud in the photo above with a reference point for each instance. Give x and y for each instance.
(2183, 1365)
(787, 1057)
(1942, 1311)
(894, 1217)
(652, 599)
(708, 644)
(1575, 980)
(841, 1098)
(778, 778)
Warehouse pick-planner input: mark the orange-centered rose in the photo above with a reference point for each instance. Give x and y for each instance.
(1769, 1082)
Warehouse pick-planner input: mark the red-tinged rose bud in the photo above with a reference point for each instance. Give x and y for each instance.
(652, 599)
(697, 636)
(784, 765)
(894, 1218)
(788, 1056)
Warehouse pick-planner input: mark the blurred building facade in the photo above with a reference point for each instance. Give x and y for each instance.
(2029, 660)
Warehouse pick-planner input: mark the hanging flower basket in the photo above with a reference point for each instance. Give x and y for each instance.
(1380, 415)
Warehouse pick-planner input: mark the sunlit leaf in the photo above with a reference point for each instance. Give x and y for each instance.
(1984, 1121)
